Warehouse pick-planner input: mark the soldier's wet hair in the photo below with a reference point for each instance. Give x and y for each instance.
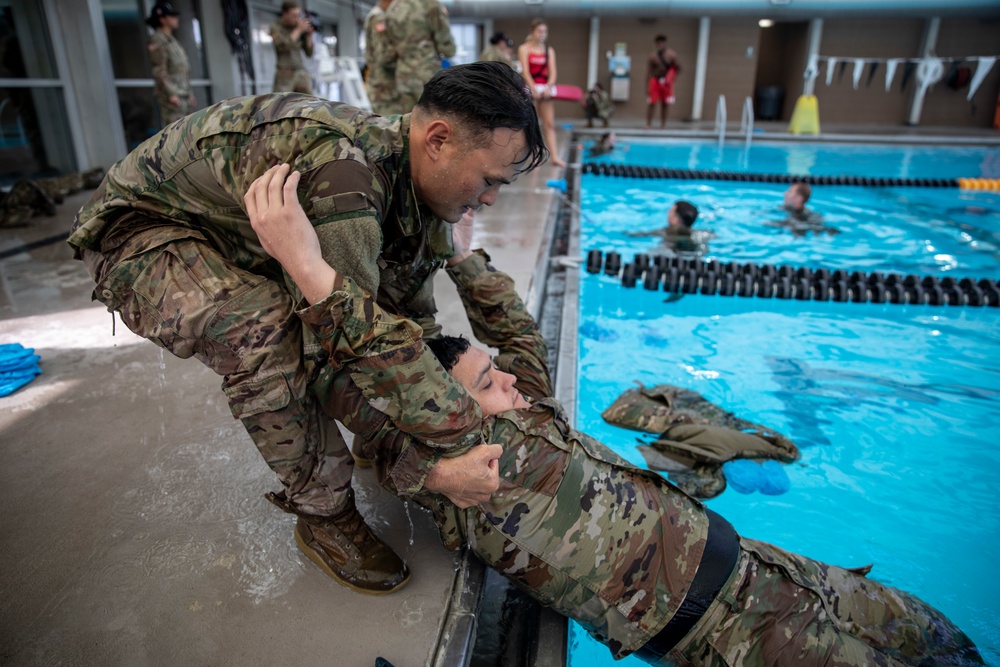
(448, 349)
(687, 212)
(482, 97)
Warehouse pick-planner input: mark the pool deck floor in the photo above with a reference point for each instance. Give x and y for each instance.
(131, 502)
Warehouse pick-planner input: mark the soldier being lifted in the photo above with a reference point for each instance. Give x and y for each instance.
(646, 569)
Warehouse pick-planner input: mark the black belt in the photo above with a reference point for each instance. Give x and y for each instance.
(722, 551)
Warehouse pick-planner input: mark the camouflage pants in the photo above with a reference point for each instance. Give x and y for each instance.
(292, 81)
(188, 299)
(783, 609)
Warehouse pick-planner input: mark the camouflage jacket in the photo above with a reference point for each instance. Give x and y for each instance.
(171, 71)
(288, 51)
(573, 524)
(492, 53)
(356, 190)
(420, 33)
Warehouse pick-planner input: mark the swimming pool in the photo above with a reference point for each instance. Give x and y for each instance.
(894, 407)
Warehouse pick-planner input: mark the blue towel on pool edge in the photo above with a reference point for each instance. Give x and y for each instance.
(18, 367)
(746, 476)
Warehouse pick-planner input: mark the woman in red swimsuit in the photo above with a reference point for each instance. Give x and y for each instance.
(538, 67)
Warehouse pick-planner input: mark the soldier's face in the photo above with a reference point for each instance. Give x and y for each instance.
(463, 176)
(292, 17)
(492, 388)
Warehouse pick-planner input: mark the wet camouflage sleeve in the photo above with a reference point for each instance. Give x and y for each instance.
(390, 365)
(500, 319)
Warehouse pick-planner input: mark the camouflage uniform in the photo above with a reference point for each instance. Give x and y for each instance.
(168, 242)
(290, 74)
(598, 105)
(420, 34)
(618, 548)
(492, 53)
(695, 436)
(381, 60)
(29, 198)
(171, 74)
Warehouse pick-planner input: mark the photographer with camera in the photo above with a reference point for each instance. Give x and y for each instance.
(292, 34)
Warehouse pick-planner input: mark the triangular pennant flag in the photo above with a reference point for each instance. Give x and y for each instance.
(871, 73)
(830, 64)
(840, 72)
(859, 67)
(982, 69)
(890, 72)
(908, 70)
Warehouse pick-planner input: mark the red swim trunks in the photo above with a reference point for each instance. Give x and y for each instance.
(661, 91)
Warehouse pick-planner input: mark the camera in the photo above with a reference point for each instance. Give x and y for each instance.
(314, 21)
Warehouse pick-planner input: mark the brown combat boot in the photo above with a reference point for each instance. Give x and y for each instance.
(345, 548)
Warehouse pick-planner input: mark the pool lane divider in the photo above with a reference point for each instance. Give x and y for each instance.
(693, 276)
(643, 171)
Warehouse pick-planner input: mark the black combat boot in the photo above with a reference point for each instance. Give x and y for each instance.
(343, 546)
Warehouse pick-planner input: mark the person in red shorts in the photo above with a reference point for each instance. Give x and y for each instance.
(662, 69)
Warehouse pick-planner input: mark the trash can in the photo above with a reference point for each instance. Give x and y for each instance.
(770, 99)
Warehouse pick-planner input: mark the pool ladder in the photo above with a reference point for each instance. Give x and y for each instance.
(746, 122)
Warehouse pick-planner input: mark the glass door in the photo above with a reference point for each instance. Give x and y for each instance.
(35, 136)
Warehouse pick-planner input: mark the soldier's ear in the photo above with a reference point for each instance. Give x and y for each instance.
(439, 133)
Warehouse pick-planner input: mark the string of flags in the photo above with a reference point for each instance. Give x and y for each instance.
(928, 71)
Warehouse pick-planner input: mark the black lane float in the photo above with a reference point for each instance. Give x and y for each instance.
(643, 171)
(695, 276)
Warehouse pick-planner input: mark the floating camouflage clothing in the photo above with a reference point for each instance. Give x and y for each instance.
(171, 249)
(290, 74)
(381, 60)
(492, 53)
(171, 76)
(695, 436)
(620, 550)
(420, 34)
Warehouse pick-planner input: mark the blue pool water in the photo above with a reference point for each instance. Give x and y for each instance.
(895, 408)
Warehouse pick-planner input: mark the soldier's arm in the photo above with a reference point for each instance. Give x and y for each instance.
(308, 44)
(443, 41)
(500, 319)
(388, 362)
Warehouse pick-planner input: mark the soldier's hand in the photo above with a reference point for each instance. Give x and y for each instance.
(461, 237)
(468, 479)
(285, 232)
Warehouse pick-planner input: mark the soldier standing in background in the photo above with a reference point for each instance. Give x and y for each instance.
(292, 34)
(381, 60)
(500, 49)
(420, 34)
(171, 71)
